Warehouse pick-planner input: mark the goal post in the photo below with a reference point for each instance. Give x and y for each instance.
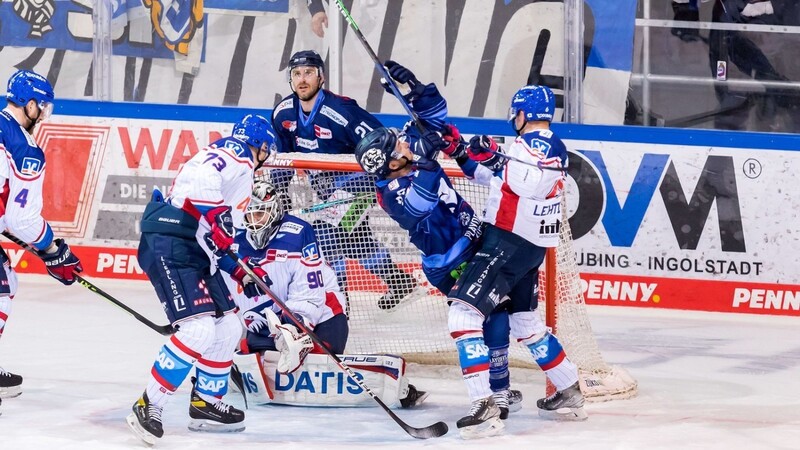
(349, 223)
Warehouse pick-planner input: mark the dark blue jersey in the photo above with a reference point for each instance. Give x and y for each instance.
(333, 126)
(436, 217)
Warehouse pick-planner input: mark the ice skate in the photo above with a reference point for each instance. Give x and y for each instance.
(483, 420)
(145, 420)
(508, 401)
(10, 384)
(214, 417)
(414, 397)
(566, 404)
(402, 288)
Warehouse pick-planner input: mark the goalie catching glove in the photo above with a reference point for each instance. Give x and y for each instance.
(293, 344)
(249, 285)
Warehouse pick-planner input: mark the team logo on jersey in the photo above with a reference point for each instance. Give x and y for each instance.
(322, 133)
(176, 21)
(311, 252)
(30, 166)
(290, 125)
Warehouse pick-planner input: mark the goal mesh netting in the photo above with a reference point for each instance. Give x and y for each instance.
(349, 223)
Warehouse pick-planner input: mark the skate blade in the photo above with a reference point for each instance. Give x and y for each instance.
(491, 427)
(420, 400)
(10, 392)
(564, 414)
(514, 407)
(140, 432)
(209, 426)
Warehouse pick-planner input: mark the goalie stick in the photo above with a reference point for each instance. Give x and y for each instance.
(431, 431)
(379, 66)
(164, 330)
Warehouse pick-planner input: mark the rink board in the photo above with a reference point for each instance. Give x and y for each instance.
(675, 219)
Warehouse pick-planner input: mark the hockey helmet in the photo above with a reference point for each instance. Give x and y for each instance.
(255, 130)
(25, 86)
(306, 58)
(263, 214)
(375, 150)
(538, 103)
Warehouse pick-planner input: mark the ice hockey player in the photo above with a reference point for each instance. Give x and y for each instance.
(182, 237)
(523, 214)
(286, 248)
(29, 99)
(416, 193)
(315, 120)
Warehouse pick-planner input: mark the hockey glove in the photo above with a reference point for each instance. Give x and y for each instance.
(251, 288)
(485, 151)
(293, 344)
(62, 263)
(220, 238)
(406, 77)
(429, 144)
(456, 145)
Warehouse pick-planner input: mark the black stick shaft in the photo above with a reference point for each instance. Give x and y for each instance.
(164, 330)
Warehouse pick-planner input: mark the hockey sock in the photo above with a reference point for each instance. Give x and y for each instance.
(473, 356)
(176, 357)
(465, 324)
(214, 366)
(5, 311)
(550, 357)
(495, 332)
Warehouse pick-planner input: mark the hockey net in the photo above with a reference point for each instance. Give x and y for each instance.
(417, 327)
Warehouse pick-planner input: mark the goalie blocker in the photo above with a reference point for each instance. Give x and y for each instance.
(320, 382)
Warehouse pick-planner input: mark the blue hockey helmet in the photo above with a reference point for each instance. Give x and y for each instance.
(538, 103)
(25, 86)
(255, 130)
(377, 149)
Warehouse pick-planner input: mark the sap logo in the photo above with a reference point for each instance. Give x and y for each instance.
(165, 362)
(211, 385)
(715, 186)
(475, 351)
(539, 352)
(176, 21)
(318, 383)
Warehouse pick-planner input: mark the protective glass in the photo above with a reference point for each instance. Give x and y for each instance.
(46, 109)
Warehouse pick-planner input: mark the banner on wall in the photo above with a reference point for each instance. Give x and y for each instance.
(655, 224)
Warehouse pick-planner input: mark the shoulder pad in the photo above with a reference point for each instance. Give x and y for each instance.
(287, 103)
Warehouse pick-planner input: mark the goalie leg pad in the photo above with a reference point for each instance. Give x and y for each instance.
(320, 382)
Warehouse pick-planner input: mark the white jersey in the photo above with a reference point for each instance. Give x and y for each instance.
(218, 175)
(22, 179)
(525, 199)
(300, 276)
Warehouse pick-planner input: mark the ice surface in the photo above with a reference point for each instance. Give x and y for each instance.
(705, 380)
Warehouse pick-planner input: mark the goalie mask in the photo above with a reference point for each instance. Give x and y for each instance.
(263, 214)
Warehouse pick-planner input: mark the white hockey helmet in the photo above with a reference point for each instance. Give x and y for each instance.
(263, 214)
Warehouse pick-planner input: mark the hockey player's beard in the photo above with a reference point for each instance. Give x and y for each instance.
(309, 95)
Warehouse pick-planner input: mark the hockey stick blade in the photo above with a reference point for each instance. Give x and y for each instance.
(431, 431)
(164, 330)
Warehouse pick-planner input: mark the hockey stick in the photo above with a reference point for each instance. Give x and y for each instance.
(164, 330)
(431, 431)
(332, 203)
(379, 66)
